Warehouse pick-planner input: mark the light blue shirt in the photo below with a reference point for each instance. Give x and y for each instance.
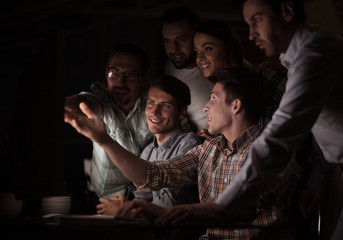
(130, 131)
(180, 142)
(313, 101)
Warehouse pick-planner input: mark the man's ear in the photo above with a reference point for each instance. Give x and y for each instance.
(182, 113)
(288, 11)
(236, 106)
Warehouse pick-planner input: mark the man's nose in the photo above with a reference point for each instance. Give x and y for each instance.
(155, 110)
(175, 47)
(252, 34)
(121, 78)
(206, 108)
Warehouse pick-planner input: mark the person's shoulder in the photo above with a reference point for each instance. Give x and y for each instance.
(100, 91)
(98, 86)
(316, 35)
(190, 138)
(314, 43)
(148, 148)
(219, 139)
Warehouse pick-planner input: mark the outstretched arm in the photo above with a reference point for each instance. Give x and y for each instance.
(72, 103)
(91, 126)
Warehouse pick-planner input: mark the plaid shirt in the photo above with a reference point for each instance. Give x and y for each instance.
(213, 166)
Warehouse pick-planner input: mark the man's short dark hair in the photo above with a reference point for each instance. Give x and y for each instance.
(298, 7)
(173, 15)
(175, 87)
(245, 84)
(131, 50)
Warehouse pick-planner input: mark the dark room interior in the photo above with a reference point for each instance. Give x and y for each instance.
(50, 49)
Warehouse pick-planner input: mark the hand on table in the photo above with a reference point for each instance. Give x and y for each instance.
(141, 209)
(203, 214)
(110, 206)
(200, 214)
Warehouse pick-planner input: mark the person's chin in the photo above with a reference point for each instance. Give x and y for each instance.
(270, 53)
(179, 65)
(207, 73)
(154, 128)
(211, 131)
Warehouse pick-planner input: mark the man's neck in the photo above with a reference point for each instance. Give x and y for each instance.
(292, 29)
(126, 109)
(163, 137)
(236, 131)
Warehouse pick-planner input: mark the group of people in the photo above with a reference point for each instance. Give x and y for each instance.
(217, 142)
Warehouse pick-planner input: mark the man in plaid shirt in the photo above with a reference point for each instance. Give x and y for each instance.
(233, 111)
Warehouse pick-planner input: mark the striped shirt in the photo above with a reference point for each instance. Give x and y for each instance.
(213, 167)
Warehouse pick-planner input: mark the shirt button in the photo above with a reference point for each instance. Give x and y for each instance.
(225, 180)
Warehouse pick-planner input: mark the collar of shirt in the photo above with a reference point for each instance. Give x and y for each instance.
(287, 58)
(238, 145)
(139, 105)
(248, 136)
(170, 141)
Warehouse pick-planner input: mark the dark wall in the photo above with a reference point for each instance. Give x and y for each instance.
(52, 49)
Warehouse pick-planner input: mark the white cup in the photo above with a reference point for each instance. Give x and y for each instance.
(10, 207)
(56, 205)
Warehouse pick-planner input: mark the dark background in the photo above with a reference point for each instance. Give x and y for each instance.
(50, 49)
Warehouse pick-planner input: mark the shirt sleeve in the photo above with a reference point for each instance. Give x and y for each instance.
(308, 87)
(176, 172)
(139, 194)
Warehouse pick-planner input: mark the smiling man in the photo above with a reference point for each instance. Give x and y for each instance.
(178, 25)
(167, 103)
(166, 106)
(233, 111)
(120, 104)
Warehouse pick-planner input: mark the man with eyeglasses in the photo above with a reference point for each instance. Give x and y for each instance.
(121, 106)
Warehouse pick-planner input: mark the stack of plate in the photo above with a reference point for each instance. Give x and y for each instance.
(56, 205)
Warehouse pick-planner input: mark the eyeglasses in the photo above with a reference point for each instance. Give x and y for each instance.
(115, 74)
